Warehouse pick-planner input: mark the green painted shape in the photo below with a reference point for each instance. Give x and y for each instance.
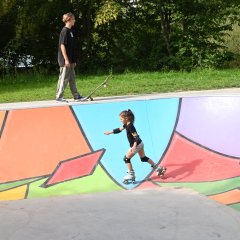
(235, 206)
(208, 188)
(98, 182)
(7, 186)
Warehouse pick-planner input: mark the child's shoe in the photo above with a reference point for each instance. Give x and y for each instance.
(130, 177)
(160, 171)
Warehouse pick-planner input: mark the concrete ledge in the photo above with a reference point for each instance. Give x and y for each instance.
(53, 103)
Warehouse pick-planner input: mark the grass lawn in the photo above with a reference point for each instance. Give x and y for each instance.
(28, 87)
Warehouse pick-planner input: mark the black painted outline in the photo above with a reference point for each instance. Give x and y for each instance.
(81, 129)
(206, 148)
(232, 189)
(173, 132)
(207, 195)
(21, 185)
(153, 182)
(205, 181)
(84, 135)
(24, 179)
(138, 182)
(169, 142)
(210, 150)
(46, 185)
(4, 123)
(48, 175)
(110, 176)
(158, 185)
(144, 180)
(27, 191)
(231, 204)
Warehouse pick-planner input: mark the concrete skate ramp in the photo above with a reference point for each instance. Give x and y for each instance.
(161, 213)
(61, 150)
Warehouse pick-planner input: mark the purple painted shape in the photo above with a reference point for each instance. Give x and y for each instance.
(213, 122)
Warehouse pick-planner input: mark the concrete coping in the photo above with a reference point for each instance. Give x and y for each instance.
(52, 103)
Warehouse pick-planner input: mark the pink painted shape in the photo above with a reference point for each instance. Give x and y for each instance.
(147, 184)
(75, 168)
(188, 162)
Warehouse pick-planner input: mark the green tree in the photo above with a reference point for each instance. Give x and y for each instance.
(180, 34)
(119, 34)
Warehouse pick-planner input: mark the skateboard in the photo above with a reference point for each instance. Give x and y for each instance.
(103, 84)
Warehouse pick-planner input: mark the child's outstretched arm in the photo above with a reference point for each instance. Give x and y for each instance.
(114, 131)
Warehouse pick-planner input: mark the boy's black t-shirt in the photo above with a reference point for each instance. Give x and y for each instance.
(131, 129)
(67, 38)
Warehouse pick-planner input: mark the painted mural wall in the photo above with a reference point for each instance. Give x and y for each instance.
(62, 150)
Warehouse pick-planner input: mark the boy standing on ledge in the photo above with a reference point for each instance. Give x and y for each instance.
(67, 60)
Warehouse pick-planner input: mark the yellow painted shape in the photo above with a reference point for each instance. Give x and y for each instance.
(14, 194)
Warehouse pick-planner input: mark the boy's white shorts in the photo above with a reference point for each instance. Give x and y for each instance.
(138, 148)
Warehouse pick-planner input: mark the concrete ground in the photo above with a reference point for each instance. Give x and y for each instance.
(161, 213)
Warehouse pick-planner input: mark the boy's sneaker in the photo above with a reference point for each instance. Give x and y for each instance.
(61, 100)
(79, 99)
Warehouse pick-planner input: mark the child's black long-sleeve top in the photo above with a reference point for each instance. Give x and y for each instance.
(130, 129)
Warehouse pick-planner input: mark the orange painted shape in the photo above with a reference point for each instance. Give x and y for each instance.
(14, 194)
(230, 197)
(34, 141)
(2, 115)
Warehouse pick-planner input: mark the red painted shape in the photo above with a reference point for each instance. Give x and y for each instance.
(81, 166)
(147, 184)
(188, 162)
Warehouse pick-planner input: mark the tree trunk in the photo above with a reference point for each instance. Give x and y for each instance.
(165, 15)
